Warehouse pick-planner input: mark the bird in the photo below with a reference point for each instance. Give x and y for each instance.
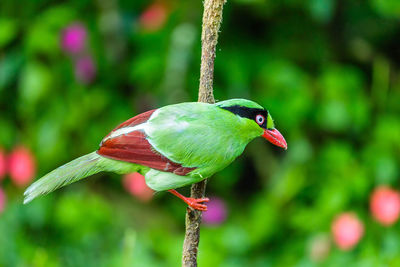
(172, 146)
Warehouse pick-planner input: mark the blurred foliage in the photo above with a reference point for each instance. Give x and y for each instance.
(327, 70)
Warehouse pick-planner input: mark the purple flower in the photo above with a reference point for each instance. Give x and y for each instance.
(216, 212)
(85, 70)
(73, 38)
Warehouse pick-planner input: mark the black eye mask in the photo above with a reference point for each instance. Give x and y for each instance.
(250, 113)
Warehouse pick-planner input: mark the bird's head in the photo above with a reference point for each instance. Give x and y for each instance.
(256, 116)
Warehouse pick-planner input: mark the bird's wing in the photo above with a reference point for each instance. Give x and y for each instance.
(129, 143)
(132, 122)
(197, 135)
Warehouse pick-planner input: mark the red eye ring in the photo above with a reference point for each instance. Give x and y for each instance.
(260, 119)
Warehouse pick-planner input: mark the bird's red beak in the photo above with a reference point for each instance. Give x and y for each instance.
(275, 137)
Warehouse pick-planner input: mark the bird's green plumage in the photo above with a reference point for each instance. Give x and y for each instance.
(203, 136)
(200, 135)
(238, 102)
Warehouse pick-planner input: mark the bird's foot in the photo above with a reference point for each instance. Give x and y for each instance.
(194, 203)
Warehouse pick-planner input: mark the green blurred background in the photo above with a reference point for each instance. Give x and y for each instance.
(327, 70)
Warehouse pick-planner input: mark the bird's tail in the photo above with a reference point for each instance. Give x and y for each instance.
(68, 173)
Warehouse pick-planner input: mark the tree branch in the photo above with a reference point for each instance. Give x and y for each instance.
(212, 18)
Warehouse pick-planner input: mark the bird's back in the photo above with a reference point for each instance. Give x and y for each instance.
(196, 135)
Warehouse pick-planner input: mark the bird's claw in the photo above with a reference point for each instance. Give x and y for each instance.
(195, 203)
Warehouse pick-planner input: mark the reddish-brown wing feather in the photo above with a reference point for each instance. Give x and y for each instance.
(134, 147)
(143, 117)
(136, 120)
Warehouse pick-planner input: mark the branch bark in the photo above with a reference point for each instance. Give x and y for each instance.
(212, 18)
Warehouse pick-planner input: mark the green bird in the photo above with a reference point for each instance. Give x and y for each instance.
(172, 146)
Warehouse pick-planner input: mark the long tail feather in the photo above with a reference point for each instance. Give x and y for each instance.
(68, 173)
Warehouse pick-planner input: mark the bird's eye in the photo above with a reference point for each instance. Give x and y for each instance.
(260, 119)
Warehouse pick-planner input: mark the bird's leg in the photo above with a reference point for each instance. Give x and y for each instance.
(192, 202)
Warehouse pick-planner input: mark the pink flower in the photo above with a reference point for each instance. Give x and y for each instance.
(135, 184)
(347, 230)
(154, 17)
(216, 212)
(22, 166)
(3, 163)
(85, 70)
(385, 205)
(73, 38)
(2, 200)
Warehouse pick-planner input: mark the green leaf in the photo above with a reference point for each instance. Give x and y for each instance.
(8, 31)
